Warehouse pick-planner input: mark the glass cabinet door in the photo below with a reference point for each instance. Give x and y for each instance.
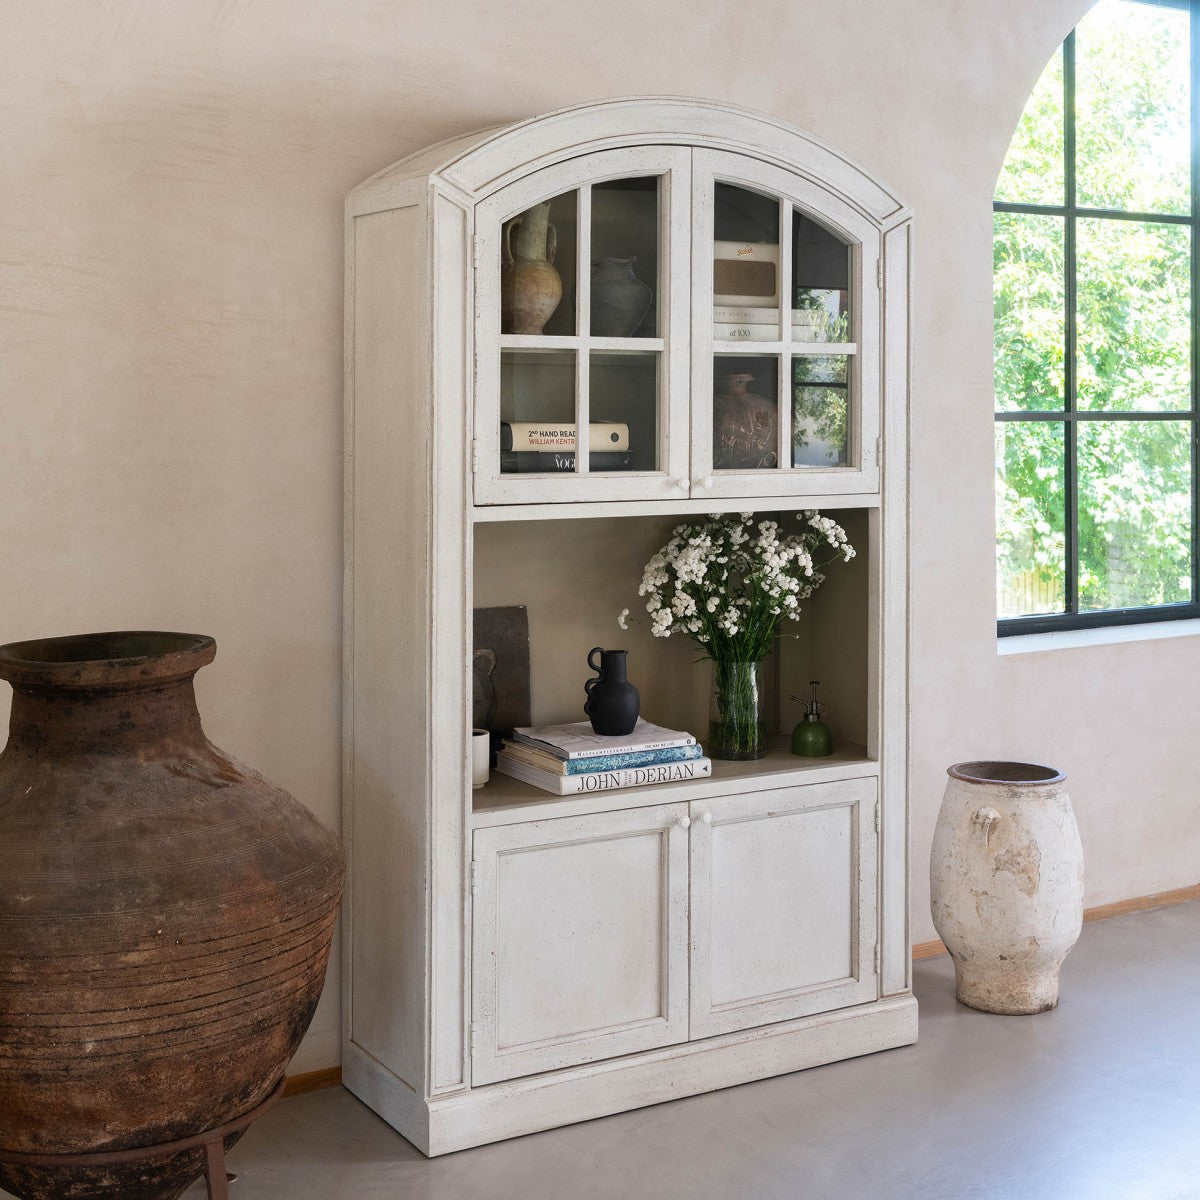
(582, 345)
(785, 342)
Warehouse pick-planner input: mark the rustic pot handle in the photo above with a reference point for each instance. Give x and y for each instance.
(506, 253)
(985, 819)
(551, 244)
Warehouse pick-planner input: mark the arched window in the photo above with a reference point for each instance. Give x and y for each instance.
(1096, 222)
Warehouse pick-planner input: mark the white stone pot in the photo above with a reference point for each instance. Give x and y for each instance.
(1006, 883)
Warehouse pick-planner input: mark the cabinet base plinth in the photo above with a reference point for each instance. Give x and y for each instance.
(476, 1116)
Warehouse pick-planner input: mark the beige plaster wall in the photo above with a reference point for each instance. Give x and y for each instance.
(171, 177)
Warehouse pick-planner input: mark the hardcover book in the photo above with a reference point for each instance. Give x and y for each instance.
(609, 762)
(530, 462)
(578, 740)
(561, 435)
(603, 781)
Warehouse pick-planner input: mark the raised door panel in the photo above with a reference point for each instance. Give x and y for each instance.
(783, 894)
(580, 940)
(786, 327)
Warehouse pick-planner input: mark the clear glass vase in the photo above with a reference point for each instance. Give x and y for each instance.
(736, 728)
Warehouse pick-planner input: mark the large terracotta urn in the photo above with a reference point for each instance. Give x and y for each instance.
(165, 917)
(1006, 883)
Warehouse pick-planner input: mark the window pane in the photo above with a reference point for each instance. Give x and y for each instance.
(1030, 546)
(1030, 327)
(1134, 331)
(1132, 108)
(745, 412)
(745, 265)
(625, 286)
(820, 282)
(537, 411)
(820, 410)
(624, 404)
(1134, 513)
(1033, 170)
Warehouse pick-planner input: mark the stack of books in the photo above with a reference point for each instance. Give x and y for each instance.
(566, 759)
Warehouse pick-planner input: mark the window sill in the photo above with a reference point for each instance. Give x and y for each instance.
(1106, 635)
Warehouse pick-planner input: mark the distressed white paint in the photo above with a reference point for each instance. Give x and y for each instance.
(578, 952)
(580, 939)
(784, 904)
(1006, 881)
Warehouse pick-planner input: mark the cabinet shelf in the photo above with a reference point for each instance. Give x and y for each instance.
(745, 348)
(504, 800)
(541, 341)
(675, 503)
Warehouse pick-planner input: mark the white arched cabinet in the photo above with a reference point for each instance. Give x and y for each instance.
(514, 960)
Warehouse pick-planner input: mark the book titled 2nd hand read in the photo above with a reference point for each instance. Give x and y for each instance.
(604, 781)
(528, 435)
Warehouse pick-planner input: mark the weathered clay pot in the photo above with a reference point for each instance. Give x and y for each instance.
(165, 916)
(619, 298)
(530, 287)
(745, 429)
(1006, 883)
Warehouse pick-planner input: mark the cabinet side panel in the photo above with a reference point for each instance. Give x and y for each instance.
(388, 629)
(895, 933)
(452, 629)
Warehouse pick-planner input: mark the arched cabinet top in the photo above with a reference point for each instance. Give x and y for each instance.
(476, 165)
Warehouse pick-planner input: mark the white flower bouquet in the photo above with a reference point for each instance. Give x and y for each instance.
(728, 583)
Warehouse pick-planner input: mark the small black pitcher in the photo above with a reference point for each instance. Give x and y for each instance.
(612, 701)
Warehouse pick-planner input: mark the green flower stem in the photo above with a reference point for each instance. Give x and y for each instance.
(737, 729)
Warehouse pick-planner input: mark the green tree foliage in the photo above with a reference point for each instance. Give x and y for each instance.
(1133, 308)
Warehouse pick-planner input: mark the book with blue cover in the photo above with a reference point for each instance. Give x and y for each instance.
(578, 740)
(606, 762)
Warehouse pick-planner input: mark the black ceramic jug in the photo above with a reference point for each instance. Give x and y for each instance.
(612, 701)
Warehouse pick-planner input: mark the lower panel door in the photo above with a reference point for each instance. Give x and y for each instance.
(580, 940)
(784, 894)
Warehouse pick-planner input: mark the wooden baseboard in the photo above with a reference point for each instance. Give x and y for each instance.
(311, 1081)
(1101, 912)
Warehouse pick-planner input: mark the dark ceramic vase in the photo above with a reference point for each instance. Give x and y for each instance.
(165, 917)
(612, 701)
(619, 298)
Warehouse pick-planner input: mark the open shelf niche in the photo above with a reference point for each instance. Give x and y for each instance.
(576, 575)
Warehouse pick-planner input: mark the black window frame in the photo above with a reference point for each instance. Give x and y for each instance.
(1069, 416)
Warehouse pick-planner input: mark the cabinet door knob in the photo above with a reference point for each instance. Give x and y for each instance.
(682, 484)
(706, 818)
(685, 822)
(706, 482)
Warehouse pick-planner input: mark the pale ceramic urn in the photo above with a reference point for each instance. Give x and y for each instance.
(1006, 883)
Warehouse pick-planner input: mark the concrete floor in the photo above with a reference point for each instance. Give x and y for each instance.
(1098, 1099)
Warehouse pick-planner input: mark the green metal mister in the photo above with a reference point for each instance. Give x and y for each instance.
(812, 737)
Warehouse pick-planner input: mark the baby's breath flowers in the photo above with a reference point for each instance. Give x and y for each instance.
(727, 583)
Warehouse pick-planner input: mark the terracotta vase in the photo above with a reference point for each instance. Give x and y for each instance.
(1006, 883)
(745, 428)
(530, 287)
(165, 916)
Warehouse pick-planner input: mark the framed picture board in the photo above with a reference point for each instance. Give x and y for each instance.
(500, 668)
